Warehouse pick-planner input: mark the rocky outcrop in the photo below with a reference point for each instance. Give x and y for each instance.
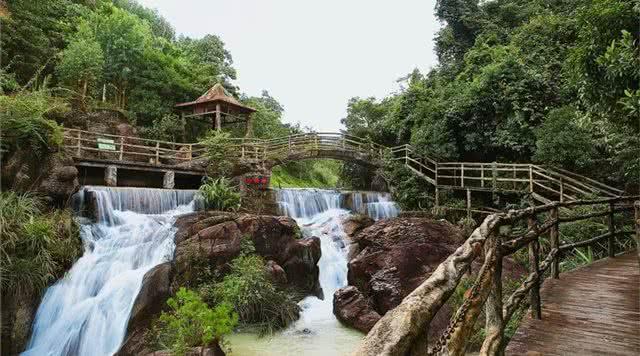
(196, 351)
(396, 255)
(211, 240)
(215, 237)
(53, 176)
(392, 257)
(155, 290)
(352, 308)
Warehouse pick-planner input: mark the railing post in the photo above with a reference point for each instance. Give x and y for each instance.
(157, 153)
(636, 207)
(79, 148)
(481, 175)
(611, 248)
(462, 175)
(530, 179)
(121, 148)
(494, 323)
(534, 293)
(468, 203)
(554, 240)
(494, 175)
(436, 175)
(561, 190)
(190, 152)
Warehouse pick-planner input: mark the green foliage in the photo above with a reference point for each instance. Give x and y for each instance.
(24, 123)
(169, 127)
(82, 62)
(35, 247)
(562, 142)
(218, 148)
(511, 74)
(258, 302)
(219, 194)
(191, 322)
(305, 174)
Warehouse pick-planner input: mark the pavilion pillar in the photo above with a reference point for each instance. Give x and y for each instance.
(218, 122)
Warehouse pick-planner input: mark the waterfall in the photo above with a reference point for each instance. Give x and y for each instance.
(319, 213)
(380, 206)
(86, 312)
(377, 205)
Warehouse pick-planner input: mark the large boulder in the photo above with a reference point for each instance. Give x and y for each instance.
(391, 258)
(352, 308)
(394, 257)
(214, 238)
(397, 255)
(155, 290)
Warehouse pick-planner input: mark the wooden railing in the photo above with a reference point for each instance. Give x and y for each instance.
(92, 145)
(535, 230)
(544, 184)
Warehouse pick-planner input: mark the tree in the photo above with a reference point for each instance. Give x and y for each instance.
(82, 62)
(561, 141)
(191, 322)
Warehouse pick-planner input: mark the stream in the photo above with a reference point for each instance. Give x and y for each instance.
(318, 332)
(86, 312)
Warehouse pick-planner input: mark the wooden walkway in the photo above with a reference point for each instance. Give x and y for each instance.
(594, 310)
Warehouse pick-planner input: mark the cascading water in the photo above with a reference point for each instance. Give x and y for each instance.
(319, 213)
(86, 312)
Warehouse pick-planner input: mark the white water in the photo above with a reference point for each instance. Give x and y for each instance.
(318, 213)
(86, 312)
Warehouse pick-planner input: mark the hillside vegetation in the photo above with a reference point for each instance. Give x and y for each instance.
(553, 82)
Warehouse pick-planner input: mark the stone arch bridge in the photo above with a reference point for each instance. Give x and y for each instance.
(119, 160)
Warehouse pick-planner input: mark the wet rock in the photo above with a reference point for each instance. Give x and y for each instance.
(276, 273)
(214, 239)
(196, 351)
(351, 308)
(155, 290)
(397, 255)
(353, 224)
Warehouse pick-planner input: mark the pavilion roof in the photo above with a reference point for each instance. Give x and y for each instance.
(217, 94)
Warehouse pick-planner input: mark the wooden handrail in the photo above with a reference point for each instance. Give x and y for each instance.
(393, 333)
(529, 178)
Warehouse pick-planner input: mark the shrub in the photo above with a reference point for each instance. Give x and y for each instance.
(219, 194)
(218, 150)
(191, 322)
(35, 248)
(23, 122)
(168, 128)
(258, 302)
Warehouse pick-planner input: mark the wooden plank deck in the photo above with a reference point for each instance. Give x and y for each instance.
(594, 310)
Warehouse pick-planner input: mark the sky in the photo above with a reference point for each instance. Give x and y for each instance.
(313, 56)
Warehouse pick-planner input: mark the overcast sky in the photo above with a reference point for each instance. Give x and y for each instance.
(313, 56)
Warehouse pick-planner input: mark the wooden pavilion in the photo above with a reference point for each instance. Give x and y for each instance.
(219, 108)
